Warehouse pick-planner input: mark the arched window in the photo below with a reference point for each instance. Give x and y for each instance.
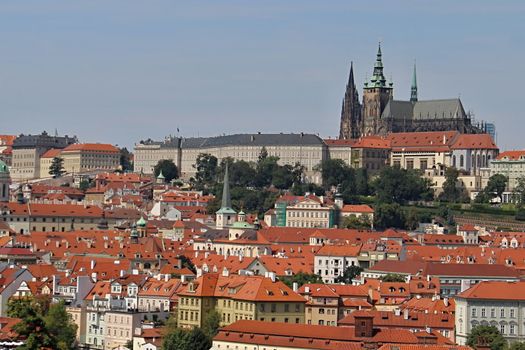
(461, 161)
(454, 161)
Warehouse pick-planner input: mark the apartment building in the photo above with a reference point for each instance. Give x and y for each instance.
(332, 260)
(238, 297)
(492, 303)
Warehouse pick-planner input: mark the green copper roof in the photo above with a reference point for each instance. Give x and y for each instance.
(378, 79)
(3, 168)
(239, 224)
(226, 210)
(141, 222)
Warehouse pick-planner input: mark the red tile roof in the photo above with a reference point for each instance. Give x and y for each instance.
(91, 147)
(498, 290)
(375, 142)
(52, 153)
(357, 208)
(474, 141)
(511, 155)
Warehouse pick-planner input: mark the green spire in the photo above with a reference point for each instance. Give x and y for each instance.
(226, 199)
(378, 78)
(413, 88)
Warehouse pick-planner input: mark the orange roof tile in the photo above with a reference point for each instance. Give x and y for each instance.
(91, 147)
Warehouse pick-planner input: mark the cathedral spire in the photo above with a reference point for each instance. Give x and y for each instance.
(413, 88)
(378, 78)
(351, 109)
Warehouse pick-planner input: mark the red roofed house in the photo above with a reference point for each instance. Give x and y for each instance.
(492, 303)
(358, 210)
(81, 157)
(371, 153)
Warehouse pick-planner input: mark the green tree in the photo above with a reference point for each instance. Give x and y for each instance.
(211, 324)
(126, 163)
(518, 193)
(396, 185)
(60, 324)
(393, 277)
(354, 222)
(496, 186)
(265, 169)
(262, 155)
(206, 175)
(349, 274)
(301, 278)
(56, 169)
(168, 168)
(334, 172)
(361, 182)
(451, 192)
(517, 346)
(32, 325)
(180, 339)
(389, 216)
(486, 335)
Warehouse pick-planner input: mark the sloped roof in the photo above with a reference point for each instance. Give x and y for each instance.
(512, 155)
(254, 140)
(94, 147)
(498, 290)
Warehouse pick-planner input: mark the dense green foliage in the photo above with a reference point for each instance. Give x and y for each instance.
(393, 277)
(486, 335)
(396, 185)
(349, 274)
(389, 215)
(301, 278)
(126, 163)
(43, 324)
(56, 169)
(451, 192)
(354, 222)
(181, 339)
(168, 168)
(349, 182)
(495, 188)
(211, 323)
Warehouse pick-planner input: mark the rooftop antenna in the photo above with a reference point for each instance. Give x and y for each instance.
(56, 132)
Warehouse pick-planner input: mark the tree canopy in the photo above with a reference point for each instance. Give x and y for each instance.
(181, 339)
(396, 185)
(349, 274)
(44, 325)
(486, 335)
(168, 168)
(393, 277)
(301, 278)
(56, 169)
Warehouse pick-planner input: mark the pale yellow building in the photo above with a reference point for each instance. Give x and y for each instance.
(82, 157)
(237, 297)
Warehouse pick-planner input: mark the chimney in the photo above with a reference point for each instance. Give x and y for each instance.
(445, 301)
(166, 277)
(182, 278)
(307, 290)
(94, 276)
(295, 286)
(364, 326)
(397, 312)
(92, 264)
(122, 273)
(272, 276)
(405, 314)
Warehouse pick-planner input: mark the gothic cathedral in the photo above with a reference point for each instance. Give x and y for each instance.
(380, 114)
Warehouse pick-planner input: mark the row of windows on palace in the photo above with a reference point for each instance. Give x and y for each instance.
(302, 214)
(483, 313)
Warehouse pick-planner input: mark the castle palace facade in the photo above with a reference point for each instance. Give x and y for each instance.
(380, 114)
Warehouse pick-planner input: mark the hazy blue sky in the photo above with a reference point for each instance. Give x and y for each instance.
(121, 71)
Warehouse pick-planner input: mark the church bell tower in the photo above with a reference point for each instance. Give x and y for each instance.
(377, 92)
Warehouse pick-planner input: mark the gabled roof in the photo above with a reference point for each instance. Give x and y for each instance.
(474, 141)
(512, 155)
(495, 290)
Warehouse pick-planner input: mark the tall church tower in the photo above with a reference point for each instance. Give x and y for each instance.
(351, 110)
(413, 87)
(377, 92)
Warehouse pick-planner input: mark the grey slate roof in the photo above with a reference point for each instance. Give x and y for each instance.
(254, 140)
(439, 109)
(430, 109)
